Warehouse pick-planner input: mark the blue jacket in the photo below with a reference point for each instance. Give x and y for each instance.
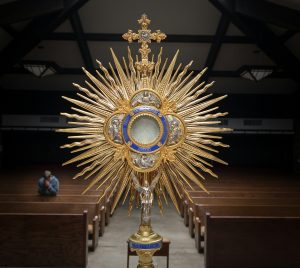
(53, 186)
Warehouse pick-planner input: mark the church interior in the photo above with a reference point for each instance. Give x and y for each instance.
(221, 170)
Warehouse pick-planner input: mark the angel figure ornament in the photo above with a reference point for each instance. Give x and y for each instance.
(144, 128)
(146, 197)
(145, 242)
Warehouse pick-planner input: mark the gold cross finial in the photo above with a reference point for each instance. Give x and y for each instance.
(144, 36)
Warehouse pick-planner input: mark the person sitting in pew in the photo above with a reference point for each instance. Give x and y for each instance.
(48, 184)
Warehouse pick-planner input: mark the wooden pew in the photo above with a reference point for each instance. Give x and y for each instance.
(240, 194)
(63, 189)
(232, 200)
(245, 194)
(34, 190)
(249, 187)
(238, 210)
(61, 199)
(39, 198)
(23, 180)
(251, 184)
(196, 197)
(55, 240)
(75, 190)
(234, 242)
(57, 208)
(245, 191)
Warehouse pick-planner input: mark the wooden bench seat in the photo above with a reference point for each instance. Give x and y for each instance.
(238, 210)
(35, 240)
(239, 194)
(250, 187)
(61, 199)
(24, 180)
(226, 190)
(57, 208)
(39, 198)
(235, 241)
(30, 191)
(245, 194)
(189, 207)
(33, 188)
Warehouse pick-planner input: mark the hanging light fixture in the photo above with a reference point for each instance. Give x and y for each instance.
(40, 69)
(256, 73)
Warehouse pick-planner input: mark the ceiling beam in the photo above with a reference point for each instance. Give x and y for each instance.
(269, 13)
(34, 33)
(216, 44)
(78, 71)
(83, 46)
(20, 10)
(263, 37)
(176, 38)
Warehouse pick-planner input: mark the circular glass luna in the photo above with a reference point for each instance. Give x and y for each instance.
(145, 130)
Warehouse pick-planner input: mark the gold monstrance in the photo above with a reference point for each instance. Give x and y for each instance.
(143, 128)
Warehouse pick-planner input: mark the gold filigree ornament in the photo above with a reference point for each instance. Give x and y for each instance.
(142, 119)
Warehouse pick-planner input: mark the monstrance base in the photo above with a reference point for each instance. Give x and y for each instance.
(145, 242)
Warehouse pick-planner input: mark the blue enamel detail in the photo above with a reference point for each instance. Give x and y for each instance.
(156, 245)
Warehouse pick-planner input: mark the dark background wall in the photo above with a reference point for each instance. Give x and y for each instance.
(42, 146)
(238, 105)
(237, 44)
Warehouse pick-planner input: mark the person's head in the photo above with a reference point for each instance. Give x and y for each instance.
(47, 174)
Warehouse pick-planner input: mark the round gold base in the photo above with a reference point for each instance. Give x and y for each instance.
(145, 242)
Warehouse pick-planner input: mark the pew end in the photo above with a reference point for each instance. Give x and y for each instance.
(29, 239)
(244, 241)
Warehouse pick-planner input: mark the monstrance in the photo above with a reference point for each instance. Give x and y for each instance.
(144, 128)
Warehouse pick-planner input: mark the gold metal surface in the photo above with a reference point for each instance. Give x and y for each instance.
(103, 159)
(145, 235)
(145, 241)
(144, 37)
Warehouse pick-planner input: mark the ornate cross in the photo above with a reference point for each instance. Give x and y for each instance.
(144, 36)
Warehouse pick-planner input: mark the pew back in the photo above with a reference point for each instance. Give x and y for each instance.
(34, 190)
(246, 194)
(245, 201)
(58, 198)
(54, 207)
(43, 240)
(246, 210)
(234, 241)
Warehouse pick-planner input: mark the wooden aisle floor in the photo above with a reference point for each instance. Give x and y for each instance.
(112, 249)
